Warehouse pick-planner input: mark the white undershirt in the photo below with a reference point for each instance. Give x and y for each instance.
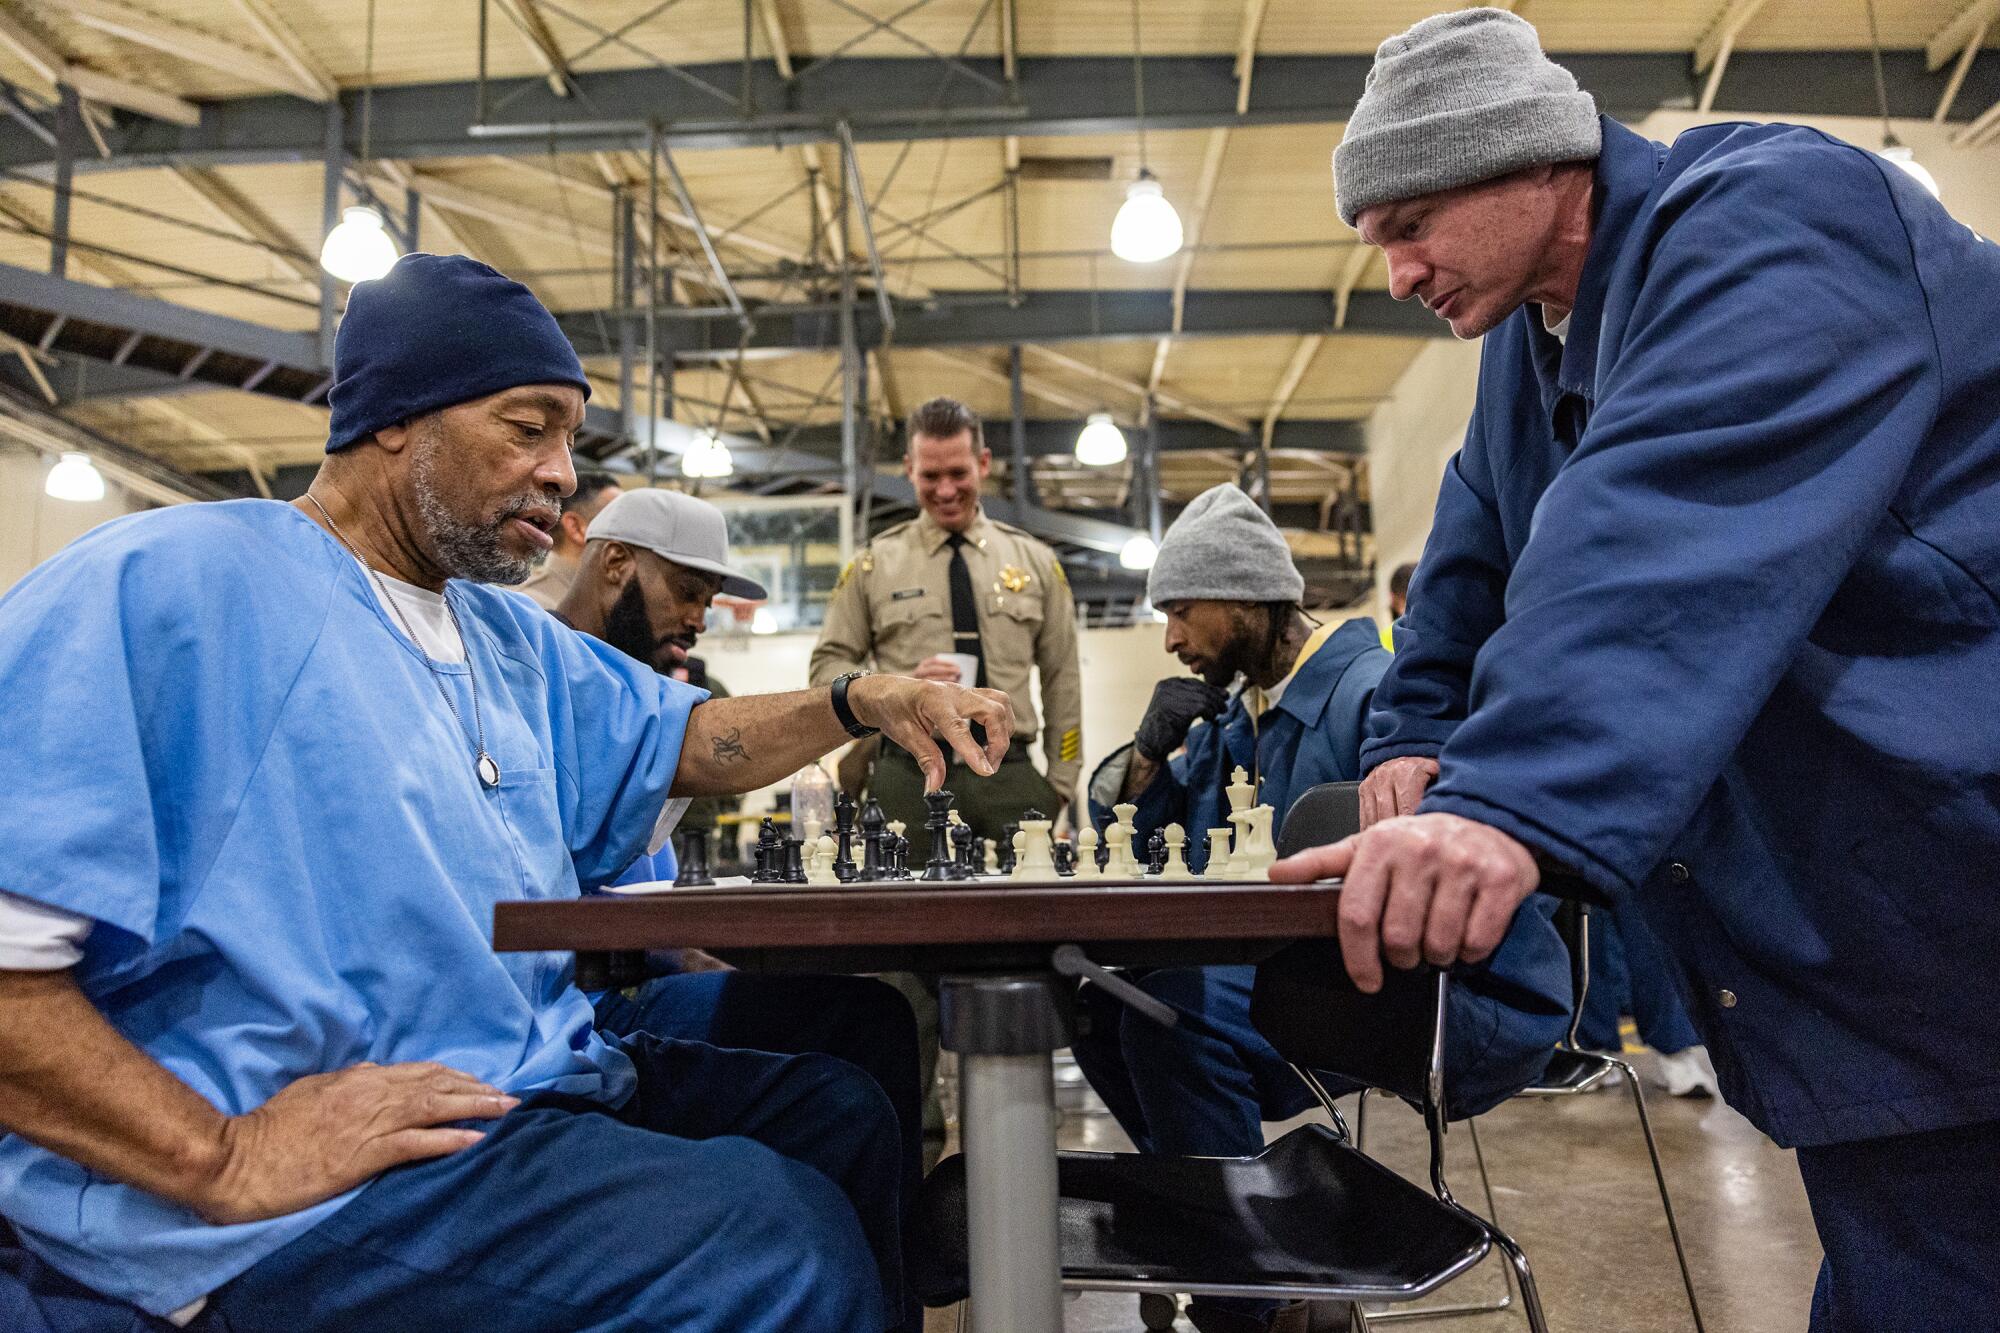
(1560, 328)
(37, 938)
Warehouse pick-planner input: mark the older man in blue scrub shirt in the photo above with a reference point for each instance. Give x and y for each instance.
(1710, 616)
(259, 1066)
(1225, 579)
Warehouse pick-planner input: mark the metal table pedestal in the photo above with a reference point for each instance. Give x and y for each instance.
(1005, 1029)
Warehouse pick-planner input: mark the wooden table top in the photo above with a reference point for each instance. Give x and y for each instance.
(965, 920)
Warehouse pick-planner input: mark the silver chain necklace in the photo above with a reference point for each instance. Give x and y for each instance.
(487, 768)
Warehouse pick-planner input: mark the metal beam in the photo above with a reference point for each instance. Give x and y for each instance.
(1954, 36)
(312, 76)
(972, 319)
(56, 69)
(232, 208)
(891, 100)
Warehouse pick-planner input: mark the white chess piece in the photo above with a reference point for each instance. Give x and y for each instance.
(1119, 839)
(1261, 850)
(1086, 854)
(1218, 853)
(1176, 854)
(819, 861)
(813, 829)
(1126, 862)
(1034, 850)
(1242, 795)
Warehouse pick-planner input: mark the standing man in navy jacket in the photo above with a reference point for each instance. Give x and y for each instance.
(1710, 616)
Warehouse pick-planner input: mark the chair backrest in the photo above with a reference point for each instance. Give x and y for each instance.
(1323, 814)
(1310, 1010)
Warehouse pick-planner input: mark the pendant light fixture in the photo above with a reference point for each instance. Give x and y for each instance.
(708, 457)
(359, 248)
(1147, 229)
(1893, 149)
(1138, 552)
(1100, 443)
(76, 478)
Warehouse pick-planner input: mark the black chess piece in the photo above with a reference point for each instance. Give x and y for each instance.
(1064, 855)
(874, 828)
(843, 838)
(692, 854)
(893, 850)
(767, 843)
(980, 847)
(1006, 863)
(937, 823)
(1156, 853)
(1103, 852)
(795, 859)
(962, 838)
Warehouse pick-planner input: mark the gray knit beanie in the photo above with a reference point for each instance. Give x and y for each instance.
(1460, 98)
(1224, 548)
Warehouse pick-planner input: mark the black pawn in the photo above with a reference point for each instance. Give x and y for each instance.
(693, 857)
(962, 838)
(937, 823)
(1007, 858)
(795, 860)
(874, 825)
(1064, 855)
(1156, 853)
(843, 838)
(1103, 853)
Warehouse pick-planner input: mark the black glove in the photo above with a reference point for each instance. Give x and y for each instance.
(1177, 704)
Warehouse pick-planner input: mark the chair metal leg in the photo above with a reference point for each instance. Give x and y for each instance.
(1666, 1200)
(1506, 1301)
(1531, 1298)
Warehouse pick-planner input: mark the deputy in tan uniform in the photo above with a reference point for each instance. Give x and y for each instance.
(955, 582)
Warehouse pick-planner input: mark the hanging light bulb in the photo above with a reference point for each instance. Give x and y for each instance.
(74, 477)
(763, 621)
(1147, 229)
(1138, 552)
(359, 249)
(718, 462)
(1100, 443)
(707, 456)
(1893, 151)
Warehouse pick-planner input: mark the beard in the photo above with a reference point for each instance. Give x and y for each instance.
(471, 551)
(629, 629)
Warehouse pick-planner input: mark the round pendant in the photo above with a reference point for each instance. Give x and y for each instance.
(489, 771)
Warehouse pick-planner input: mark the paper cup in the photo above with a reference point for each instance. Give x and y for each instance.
(968, 667)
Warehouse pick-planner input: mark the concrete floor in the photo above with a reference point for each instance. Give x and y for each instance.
(1573, 1186)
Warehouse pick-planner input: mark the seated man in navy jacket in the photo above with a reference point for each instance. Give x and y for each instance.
(1225, 579)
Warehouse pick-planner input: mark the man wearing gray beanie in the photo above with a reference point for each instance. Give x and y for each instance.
(1225, 579)
(1707, 617)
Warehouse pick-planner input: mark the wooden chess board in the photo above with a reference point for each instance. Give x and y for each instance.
(985, 924)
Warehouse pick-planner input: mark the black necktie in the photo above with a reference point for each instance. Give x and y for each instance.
(964, 608)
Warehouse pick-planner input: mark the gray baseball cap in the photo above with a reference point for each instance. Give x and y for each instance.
(679, 528)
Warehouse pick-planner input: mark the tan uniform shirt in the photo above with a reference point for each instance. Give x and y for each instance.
(893, 604)
(551, 583)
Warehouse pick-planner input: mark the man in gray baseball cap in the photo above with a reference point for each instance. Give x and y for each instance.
(653, 562)
(1695, 620)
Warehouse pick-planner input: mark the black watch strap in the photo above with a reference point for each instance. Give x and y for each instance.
(845, 714)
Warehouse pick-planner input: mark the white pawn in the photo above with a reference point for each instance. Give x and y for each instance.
(1086, 854)
(813, 829)
(1119, 839)
(1034, 850)
(1176, 867)
(1218, 853)
(819, 861)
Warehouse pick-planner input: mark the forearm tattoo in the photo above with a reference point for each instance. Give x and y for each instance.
(729, 747)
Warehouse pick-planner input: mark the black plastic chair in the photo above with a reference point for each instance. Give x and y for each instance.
(1310, 1217)
(1332, 811)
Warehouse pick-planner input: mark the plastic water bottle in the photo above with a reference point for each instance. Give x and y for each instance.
(812, 799)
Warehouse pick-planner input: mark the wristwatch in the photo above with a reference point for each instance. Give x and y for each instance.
(844, 714)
